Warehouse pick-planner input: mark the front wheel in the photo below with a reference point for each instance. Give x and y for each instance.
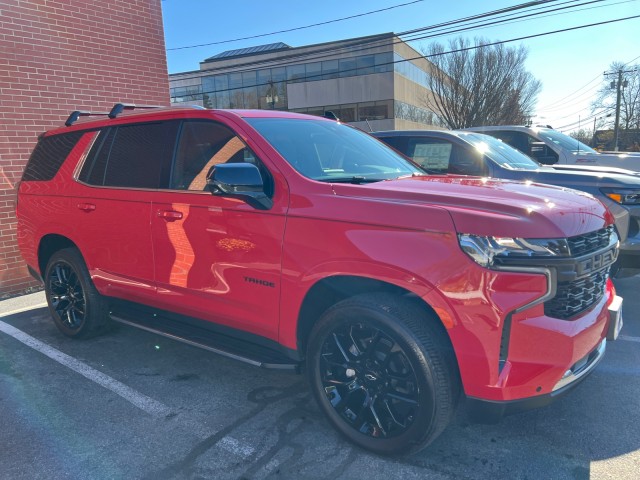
(77, 308)
(383, 373)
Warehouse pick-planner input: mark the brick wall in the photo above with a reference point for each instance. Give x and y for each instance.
(59, 56)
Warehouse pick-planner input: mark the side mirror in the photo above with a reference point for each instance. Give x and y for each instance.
(540, 152)
(239, 180)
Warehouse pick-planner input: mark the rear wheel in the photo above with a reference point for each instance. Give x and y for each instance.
(383, 373)
(77, 308)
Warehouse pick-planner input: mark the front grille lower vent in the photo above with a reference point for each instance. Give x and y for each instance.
(573, 298)
(589, 242)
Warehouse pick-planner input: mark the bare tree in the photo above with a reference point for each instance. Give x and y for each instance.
(629, 99)
(479, 84)
(583, 135)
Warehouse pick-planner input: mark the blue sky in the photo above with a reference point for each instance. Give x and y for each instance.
(570, 64)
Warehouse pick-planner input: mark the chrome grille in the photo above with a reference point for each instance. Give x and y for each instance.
(573, 298)
(589, 242)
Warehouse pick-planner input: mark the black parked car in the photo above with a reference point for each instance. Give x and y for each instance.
(470, 153)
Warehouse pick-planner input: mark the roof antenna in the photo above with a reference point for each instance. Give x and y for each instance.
(368, 125)
(331, 116)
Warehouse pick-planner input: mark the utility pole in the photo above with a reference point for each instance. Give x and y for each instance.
(619, 84)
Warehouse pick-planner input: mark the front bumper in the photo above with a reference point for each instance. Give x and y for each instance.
(491, 411)
(524, 335)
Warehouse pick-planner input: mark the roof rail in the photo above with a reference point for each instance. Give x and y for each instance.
(118, 108)
(76, 114)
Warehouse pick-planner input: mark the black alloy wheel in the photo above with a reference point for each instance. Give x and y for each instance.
(77, 308)
(369, 380)
(382, 369)
(66, 295)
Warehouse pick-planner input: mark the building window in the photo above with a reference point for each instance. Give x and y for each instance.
(383, 62)
(249, 79)
(416, 114)
(366, 64)
(347, 67)
(410, 71)
(330, 69)
(373, 111)
(187, 93)
(313, 71)
(295, 73)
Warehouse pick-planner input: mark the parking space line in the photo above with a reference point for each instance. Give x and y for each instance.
(628, 338)
(24, 309)
(147, 404)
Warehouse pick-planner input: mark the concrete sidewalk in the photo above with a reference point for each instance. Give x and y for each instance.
(22, 303)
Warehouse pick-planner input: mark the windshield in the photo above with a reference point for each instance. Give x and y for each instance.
(565, 141)
(499, 152)
(333, 152)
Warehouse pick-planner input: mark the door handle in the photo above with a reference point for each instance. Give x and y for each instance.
(87, 207)
(170, 215)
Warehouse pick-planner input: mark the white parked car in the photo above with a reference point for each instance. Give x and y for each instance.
(551, 147)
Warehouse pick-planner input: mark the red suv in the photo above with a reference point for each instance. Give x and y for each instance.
(297, 242)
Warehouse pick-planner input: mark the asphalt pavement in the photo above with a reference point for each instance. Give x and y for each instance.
(135, 405)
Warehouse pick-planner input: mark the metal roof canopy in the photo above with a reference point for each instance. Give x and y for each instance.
(241, 52)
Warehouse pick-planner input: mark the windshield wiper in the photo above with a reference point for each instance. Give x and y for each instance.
(355, 179)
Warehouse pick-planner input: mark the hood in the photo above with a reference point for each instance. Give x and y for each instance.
(596, 169)
(628, 161)
(579, 177)
(494, 207)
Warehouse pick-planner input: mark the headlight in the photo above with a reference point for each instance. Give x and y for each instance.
(623, 196)
(486, 251)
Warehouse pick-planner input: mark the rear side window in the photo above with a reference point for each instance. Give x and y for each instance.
(132, 156)
(49, 155)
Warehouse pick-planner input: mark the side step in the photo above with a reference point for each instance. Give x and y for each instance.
(186, 332)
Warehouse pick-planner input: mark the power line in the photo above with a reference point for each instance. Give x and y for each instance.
(557, 104)
(597, 77)
(297, 28)
(632, 60)
(521, 18)
(368, 43)
(570, 102)
(463, 49)
(572, 125)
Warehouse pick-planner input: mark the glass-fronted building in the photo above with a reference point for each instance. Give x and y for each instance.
(377, 82)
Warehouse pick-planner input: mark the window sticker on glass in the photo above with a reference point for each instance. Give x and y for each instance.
(433, 156)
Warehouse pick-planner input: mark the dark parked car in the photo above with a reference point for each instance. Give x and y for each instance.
(470, 153)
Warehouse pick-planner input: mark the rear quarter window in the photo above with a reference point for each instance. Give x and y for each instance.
(49, 155)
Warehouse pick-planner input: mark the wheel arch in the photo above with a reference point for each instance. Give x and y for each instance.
(50, 244)
(330, 290)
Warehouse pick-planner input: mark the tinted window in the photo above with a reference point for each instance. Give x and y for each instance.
(517, 140)
(96, 163)
(49, 155)
(202, 146)
(134, 156)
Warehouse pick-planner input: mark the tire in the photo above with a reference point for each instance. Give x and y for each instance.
(77, 308)
(384, 373)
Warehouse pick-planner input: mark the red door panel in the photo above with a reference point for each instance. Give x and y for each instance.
(218, 259)
(116, 240)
